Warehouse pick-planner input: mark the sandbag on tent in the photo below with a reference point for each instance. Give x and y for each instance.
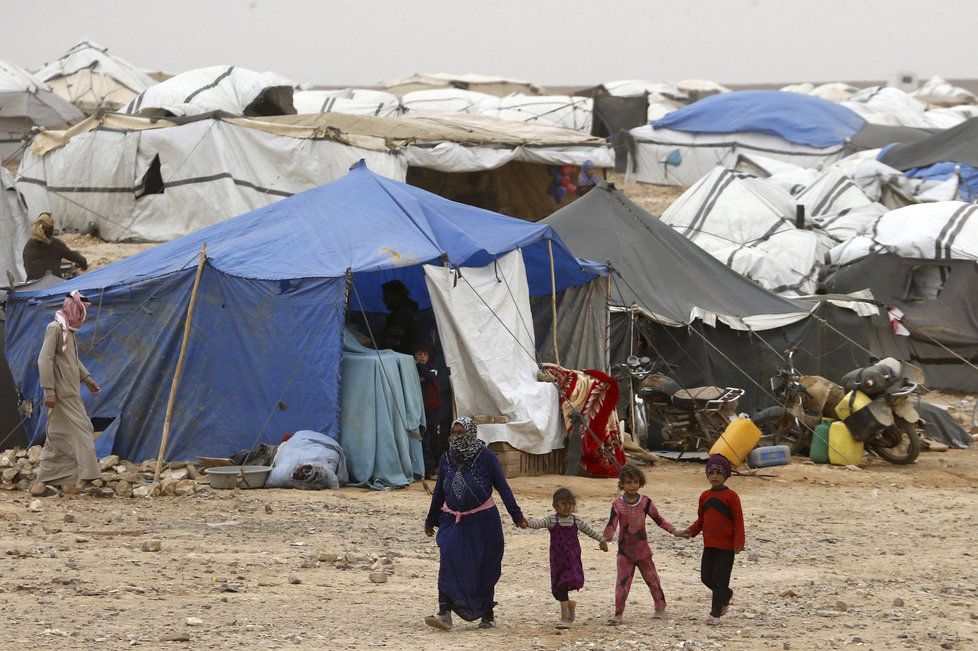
(231, 89)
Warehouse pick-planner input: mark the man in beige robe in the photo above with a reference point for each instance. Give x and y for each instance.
(68, 456)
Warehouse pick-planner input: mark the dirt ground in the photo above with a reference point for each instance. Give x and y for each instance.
(835, 550)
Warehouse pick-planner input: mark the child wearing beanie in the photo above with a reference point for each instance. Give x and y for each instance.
(721, 520)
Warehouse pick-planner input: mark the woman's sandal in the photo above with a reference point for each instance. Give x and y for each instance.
(49, 491)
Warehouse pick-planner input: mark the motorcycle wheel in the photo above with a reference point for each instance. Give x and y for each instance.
(787, 431)
(906, 451)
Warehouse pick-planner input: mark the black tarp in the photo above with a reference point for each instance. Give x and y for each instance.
(612, 117)
(937, 315)
(958, 144)
(877, 136)
(725, 357)
(661, 271)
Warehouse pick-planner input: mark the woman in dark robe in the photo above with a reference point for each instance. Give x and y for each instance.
(470, 534)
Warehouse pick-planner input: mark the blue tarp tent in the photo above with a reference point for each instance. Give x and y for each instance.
(797, 118)
(265, 348)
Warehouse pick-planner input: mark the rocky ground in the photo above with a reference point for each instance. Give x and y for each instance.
(883, 557)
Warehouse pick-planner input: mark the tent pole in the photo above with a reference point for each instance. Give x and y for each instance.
(553, 301)
(176, 374)
(632, 425)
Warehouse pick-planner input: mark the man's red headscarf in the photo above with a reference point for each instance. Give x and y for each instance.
(72, 315)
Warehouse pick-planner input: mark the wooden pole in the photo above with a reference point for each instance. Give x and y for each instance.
(183, 351)
(553, 301)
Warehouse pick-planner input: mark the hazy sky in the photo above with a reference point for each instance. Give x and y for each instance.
(570, 42)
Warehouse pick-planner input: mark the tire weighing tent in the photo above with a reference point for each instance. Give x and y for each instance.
(268, 352)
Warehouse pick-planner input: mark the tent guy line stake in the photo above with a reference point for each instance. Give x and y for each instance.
(179, 371)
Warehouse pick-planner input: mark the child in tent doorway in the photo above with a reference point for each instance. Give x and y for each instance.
(629, 512)
(566, 569)
(431, 394)
(721, 520)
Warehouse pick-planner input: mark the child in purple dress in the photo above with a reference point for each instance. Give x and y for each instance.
(566, 570)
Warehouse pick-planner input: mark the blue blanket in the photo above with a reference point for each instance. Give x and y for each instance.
(381, 413)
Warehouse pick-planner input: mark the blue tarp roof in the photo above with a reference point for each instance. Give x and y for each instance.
(802, 119)
(375, 226)
(264, 353)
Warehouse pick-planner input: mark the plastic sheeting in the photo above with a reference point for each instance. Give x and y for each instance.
(486, 326)
(231, 89)
(661, 271)
(208, 170)
(382, 412)
(15, 230)
(263, 359)
(669, 157)
(801, 119)
(308, 447)
(90, 77)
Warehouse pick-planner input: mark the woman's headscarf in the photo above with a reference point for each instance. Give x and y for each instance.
(72, 315)
(41, 227)
(585, 178)
(466, 446)
(718, 462)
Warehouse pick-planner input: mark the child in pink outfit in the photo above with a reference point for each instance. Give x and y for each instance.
(629, 512)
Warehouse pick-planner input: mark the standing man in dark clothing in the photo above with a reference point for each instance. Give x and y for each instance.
(44, 252)
(401, 326)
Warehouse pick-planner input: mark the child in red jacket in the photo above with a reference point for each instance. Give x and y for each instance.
(722, 523)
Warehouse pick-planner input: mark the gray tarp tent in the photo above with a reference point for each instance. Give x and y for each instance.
(958, 144)
(694, 311)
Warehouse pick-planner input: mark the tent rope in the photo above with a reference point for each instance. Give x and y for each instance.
(574, 413)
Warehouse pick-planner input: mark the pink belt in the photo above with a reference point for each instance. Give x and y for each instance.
(488, 504)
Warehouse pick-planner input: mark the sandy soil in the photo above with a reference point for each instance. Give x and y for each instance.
(100, 253)
(654, 198)
(835, 548)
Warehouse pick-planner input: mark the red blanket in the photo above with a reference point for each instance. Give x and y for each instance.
(595, 395)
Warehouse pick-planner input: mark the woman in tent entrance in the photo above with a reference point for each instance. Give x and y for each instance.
(470, 534)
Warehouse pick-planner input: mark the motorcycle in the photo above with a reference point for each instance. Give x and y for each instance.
(678, 418)
(802, 401)
(889, 425)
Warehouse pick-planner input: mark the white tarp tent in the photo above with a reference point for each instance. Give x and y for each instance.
(135, 179)
(930, 231)
(355, 101)
(15, 229)
(233, 90)
(445, 100)
(498, 86)
(155, 179)
(747, 223)
(91, 78)
(892, 106)
(27, 102)
(490, 349)
(668, 157)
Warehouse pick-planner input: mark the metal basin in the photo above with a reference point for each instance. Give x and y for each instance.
(238, 476)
